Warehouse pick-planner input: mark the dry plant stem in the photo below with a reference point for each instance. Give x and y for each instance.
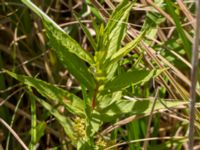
(14, 134)
(150, 119)
(100, 8)
(168, 17)
(186, 12)
(194, 72)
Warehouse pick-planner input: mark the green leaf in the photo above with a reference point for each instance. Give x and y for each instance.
(68, 50)
(83, 145)
(76, 66)
(61, 119)
(87, 33)
(40, 128)
(33, 142)
(116, 27)
(134, 107)
(71, 102)
(114, 34)
(59, 34)
(132, 77)
(126, 49)
(94, 10)
(152, 21)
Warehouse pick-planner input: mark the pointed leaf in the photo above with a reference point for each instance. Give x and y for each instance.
(179, 28)
(114, 34)
(132, 77)
(116, 27)
(71, 102)
(75, 65)
(87, 33)
(127, 48)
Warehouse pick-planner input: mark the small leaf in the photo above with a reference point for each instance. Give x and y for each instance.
(127, 48)
(71, 102)
(132, 77)
(87, 33)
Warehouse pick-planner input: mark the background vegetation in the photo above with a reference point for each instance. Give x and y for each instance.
(116, 75)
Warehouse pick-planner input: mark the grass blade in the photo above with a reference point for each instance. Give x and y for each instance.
(33, 142)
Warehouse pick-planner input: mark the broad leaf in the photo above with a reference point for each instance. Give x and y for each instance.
(132, 77)
(71, 102)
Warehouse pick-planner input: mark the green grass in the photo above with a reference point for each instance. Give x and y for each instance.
(90, 76)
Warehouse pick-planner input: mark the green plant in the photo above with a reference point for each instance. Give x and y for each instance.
(102, 77)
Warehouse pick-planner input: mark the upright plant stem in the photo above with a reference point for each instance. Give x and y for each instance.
(194, 72)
